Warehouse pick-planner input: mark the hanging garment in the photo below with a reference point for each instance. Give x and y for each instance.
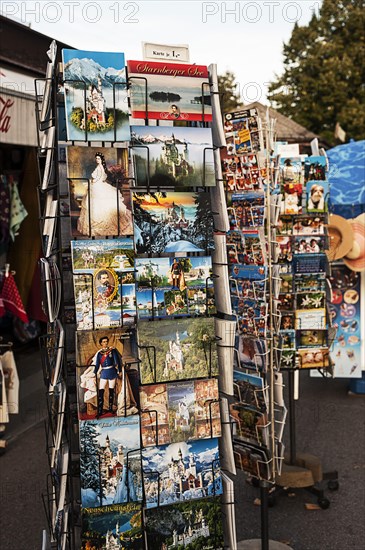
(4, 214)
(11, 298)
(11, 381)
(17, 211)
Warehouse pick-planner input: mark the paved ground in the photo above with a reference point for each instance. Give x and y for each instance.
(330, 425)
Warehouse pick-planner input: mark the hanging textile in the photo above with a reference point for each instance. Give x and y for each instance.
(17, 211)
(4, 214)
(11, 381)
(11, 298)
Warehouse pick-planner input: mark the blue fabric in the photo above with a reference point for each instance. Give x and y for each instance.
(347, 179)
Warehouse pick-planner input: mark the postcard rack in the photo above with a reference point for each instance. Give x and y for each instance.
(276, 260)
(123, 482)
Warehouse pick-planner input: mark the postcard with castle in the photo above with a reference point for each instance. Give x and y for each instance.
(177, 349)
(106, 373)
(110, 461)
(249, 389)
(100, 199)
(114, 526)
(169, 91)
(96, 99)
(166, 156)
(180, 411)
(104, 280)
(171, 222)
(192, 525)
(181, 471)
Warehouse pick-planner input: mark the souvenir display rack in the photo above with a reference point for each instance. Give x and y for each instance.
(62, 356)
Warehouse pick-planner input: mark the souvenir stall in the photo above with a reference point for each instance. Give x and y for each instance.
(185, 281)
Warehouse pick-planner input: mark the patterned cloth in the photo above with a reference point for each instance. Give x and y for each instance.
(17, 211)
(11, 298)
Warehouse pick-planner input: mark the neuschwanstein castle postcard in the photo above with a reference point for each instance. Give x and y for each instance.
(95, 96)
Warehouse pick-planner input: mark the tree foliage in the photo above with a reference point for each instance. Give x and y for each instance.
(229, 92)
(323, 78)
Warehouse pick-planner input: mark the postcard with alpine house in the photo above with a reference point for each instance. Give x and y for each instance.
(96, 98)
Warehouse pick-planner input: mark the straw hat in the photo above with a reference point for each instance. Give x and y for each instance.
(355, 258)
(341, 237)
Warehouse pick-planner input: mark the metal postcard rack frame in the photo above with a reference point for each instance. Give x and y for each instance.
(61, 500)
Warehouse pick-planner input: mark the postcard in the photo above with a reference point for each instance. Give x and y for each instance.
(288, 359)
(179, 411)
(241, 173)
(251, 353)
(313, 358)
(181, 471)
(308, 245)
(243, 132)
(291, 172)
(310, 282)
(110, 461)
(311, 224)
(169, 91)
(103, 301)
(292, 190)
(96, 98)
(310, 263)
(173, 157)
(285, 225)
(177, 349)
(246, 247)
(193, 524)
(106, 373)
(252, 459)
(317, 196)
(283, 249)
(87, 255)
(172, 222)
(118, 525)
(309, 338)
(174, 287)
(248, 210)
(288, 339)
(100, 201)
(249, 389)
(315, 168)
(249, 423)
(307, 319)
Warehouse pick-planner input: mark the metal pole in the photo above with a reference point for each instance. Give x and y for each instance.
(293, 450)
(264, 496)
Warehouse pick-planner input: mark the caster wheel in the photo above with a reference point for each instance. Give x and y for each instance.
(333, 485)
(271, 501)
(324, 503)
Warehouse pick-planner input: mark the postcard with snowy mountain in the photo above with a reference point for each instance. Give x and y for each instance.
(180, 411)
(169, 222)
(100, 199)
(115, 526)
(191, 525)
(107, 373)
(167, 156)
(181, 471)
(177, 349)
(169, 91)
(96, 98)
(110, 461)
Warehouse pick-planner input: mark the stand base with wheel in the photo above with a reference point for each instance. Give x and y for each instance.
(307, 474)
